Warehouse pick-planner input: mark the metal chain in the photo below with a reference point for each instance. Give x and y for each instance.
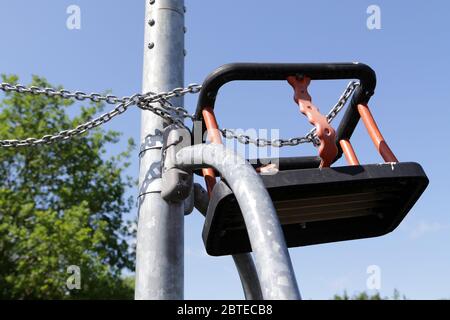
(143, 101)
(277, 143)
(348, 92)
(158, 104)
(166, 110)
(309, 138)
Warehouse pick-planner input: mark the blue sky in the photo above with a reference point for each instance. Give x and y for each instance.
(410, 55)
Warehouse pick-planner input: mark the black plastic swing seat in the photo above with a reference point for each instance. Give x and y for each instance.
(317, 206)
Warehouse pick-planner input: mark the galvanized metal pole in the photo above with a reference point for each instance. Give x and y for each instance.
(248, 275)
(160, 236)
(244, 262)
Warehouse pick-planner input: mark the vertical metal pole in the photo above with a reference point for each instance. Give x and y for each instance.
(248, 275)
(244, 262)
(160, 236)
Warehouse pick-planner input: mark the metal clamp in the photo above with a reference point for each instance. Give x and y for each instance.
(176, 184)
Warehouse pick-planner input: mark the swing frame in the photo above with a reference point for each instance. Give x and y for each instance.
(315, 203)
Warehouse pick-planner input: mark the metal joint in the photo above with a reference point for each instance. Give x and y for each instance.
(177, 184)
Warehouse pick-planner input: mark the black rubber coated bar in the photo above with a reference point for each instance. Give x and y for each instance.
(281, 71)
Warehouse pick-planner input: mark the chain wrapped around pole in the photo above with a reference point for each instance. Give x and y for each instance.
(143, 101)
(163, 108)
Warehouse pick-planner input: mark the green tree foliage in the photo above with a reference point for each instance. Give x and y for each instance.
(61, 205)
(365, 296)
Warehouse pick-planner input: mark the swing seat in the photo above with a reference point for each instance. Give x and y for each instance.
(317, 206)
(315, 202)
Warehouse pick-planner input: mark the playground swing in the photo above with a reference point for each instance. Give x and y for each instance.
(315, 203)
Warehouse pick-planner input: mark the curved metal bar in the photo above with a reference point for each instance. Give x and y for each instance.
(281, 71)
(272, 258)
(201, 199)
(248, 275)
(244, 262)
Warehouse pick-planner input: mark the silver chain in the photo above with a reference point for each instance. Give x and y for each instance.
(309, 138)
(165, 109)
(158, 104)
(277, 143)
(162, 108)
(348, 92)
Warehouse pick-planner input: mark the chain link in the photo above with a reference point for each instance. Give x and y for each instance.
(165, 109)
(348, 92)
(146, 101)
(157, 103)
(277, 143)
(309, 138)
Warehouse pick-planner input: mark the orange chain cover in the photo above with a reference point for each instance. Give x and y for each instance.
(326, 134)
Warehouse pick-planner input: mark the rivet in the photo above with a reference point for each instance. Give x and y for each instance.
(151, 22)
(184, 9)
(184, 29)
(152, 1)
(151, 45)
(184, 52)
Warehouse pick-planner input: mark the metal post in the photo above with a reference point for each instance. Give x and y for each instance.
(160, 238)
(273, 264)
(244, 262)
(248, 275)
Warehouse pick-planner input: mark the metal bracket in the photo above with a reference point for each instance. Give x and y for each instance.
(189, 202)
(325, 132)
(176, 184)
